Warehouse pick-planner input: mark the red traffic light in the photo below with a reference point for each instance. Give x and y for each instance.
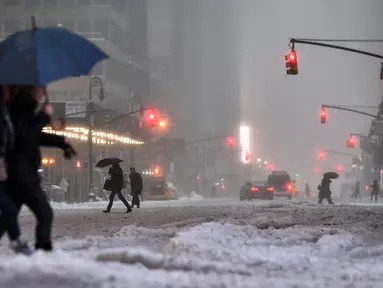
(339, 168)
(323, 115)
(350, 142)
(321, 155)
(317, 170)
(247, 156)
(230, 142)
(291, 63)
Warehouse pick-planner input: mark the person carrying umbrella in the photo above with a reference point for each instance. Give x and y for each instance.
(136, 186)
(324, 187)
(22, 73)
(116, 184)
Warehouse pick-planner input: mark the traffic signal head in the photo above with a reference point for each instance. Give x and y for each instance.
(230, 142)
(350, 142)
(291, 63)
(106, 120)
(323, 115)
(321, 155)
(247, 156)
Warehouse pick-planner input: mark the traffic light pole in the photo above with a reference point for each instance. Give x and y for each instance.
(337, 47)
(349, 110)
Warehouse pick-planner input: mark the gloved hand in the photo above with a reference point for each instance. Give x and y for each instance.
(69, 151)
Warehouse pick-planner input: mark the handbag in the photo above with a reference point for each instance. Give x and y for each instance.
(108, 185)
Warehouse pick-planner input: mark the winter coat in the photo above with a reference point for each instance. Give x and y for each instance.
(375, 187)
(135, 182)
(23, 156)
(325, 190)
(116, 178)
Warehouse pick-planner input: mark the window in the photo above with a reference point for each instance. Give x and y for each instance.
(49, 23)
(84, 27)
(68, 24)
(50, 3)
(67, 3)
(32, 3)
(84, 2)
(98, 69)
(101, 2)
(101, 28)
(11, 2)
(119, 5)
(11, 26)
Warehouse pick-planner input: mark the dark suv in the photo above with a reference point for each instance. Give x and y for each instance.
(282, 183)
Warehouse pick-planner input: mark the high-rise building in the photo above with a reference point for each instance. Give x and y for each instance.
(205, 71)
(117, 26)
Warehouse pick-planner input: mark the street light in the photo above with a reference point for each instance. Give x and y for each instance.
(94, 82)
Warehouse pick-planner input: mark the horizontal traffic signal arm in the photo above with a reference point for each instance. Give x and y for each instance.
(319, 42)
(349, 110)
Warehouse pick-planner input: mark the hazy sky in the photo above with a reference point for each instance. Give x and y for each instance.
(285, 109)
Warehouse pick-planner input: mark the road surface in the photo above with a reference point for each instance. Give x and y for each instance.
(211, 243)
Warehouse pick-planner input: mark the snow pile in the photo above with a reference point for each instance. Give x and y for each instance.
(193, 196)
(207, 255)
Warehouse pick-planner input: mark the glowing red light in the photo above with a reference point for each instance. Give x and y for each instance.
(292, 56)
(323, 113)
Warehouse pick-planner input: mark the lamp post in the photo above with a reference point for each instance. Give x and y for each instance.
(94, 82)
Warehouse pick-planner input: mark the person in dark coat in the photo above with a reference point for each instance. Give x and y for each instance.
(357, 190)
(375, 190)
(24, 159)
(8, 208)
(135, 186)
(325, 191)
(117, 182)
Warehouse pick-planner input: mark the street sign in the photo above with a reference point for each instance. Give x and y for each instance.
(75, 109)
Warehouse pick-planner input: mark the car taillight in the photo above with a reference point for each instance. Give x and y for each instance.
(271, 189)
(289, 187)
(254, 188)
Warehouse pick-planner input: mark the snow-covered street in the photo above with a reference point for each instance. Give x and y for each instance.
(211, 243)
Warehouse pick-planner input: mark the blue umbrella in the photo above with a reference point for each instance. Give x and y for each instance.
(43, 55)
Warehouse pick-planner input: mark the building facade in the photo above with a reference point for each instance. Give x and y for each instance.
(117, 26)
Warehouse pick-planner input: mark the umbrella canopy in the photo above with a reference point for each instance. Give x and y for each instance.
(43, 55)
(331, 175)
(108, 161)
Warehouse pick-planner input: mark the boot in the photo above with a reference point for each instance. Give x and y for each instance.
(106, 211)
(21, 247)
(128, 210)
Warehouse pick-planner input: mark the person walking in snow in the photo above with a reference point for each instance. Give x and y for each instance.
(325, 191)
(375, 190)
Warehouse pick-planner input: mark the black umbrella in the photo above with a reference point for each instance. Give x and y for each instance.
(331, 175)
(108, 161)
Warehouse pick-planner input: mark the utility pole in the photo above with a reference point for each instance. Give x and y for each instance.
(94, 82)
